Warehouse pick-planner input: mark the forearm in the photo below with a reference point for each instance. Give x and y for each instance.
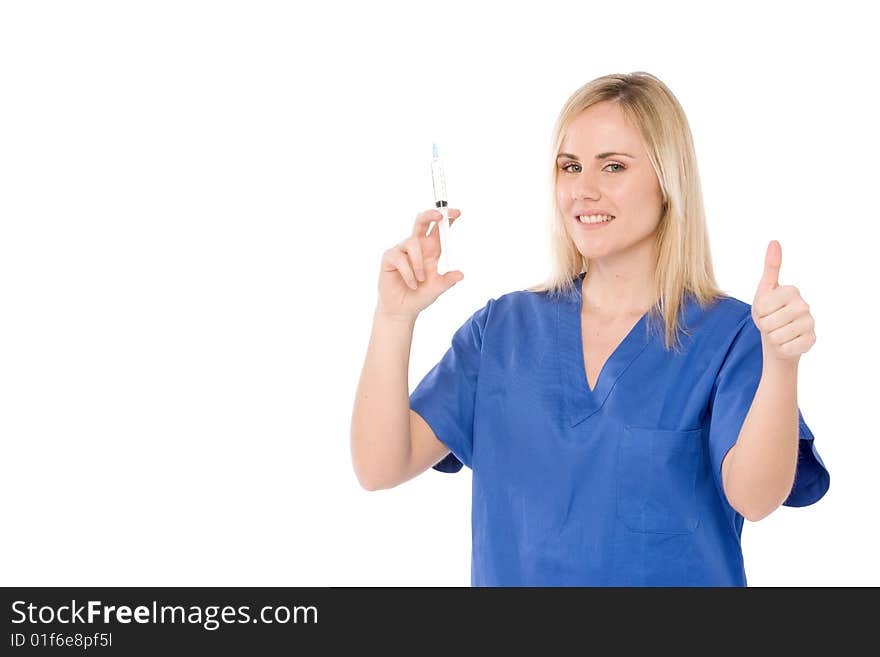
(764, 461)
(380, 433)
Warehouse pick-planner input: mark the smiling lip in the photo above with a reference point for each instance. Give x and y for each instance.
(590, 213)
(594, 226)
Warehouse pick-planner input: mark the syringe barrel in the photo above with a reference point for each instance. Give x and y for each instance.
(439, 179)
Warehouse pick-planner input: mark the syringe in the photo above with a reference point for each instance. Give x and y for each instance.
(440, 202)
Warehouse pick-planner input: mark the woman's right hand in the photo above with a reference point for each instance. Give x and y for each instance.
(408, 280)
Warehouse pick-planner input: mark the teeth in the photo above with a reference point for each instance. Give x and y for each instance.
(595, 219)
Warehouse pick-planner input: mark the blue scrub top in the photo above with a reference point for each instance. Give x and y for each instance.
(618, 486)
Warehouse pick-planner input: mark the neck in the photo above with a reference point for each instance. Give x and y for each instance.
(617, 290)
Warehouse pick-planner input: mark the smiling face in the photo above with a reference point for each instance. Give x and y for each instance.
(603, 165)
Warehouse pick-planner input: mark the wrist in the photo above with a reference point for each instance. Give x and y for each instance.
(780, 367)
(395, 318)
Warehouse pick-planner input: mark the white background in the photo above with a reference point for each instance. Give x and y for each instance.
(195, 197)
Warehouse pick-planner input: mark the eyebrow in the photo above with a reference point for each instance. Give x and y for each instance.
(600, 156)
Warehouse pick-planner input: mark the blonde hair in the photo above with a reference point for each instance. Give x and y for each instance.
(683, 263)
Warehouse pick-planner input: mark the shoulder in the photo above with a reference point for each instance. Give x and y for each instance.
(515, 312)
(731, 334)
(726, 316)
(520, 305)
(716, 326)
(728, 308)
(521, 299)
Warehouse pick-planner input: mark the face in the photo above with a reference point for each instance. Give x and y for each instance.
(625, 187)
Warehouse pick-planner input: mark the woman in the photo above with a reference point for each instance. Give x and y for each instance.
(625, 417)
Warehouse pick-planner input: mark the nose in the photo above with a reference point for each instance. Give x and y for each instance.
(584, 191)
(584, 187)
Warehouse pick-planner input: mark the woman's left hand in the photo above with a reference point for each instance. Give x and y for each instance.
(781, 314)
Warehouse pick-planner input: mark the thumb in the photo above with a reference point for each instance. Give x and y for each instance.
(772, 263)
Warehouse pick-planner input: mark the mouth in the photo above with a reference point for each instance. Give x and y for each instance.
(595, 219)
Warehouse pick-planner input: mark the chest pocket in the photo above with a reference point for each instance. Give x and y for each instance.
(657, 479)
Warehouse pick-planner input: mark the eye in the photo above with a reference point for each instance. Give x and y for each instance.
(610, 164)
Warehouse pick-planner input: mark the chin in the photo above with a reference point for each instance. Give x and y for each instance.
(593, 248)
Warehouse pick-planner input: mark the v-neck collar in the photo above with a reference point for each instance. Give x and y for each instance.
(580, 402)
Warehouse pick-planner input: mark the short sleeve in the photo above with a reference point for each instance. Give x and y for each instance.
(732, 395)
(446, 396)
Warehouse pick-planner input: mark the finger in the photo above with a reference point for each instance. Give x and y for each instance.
(450, 278)
(389, 259)
(772, 264)
(428, 217)
(799, 345)
(783, 318)
(434, 223)
(414, 251)
(785, 298)
(402, 263)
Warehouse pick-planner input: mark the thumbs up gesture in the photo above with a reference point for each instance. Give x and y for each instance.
(781, 314)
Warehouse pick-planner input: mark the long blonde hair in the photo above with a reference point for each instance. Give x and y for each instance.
(683, 262)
